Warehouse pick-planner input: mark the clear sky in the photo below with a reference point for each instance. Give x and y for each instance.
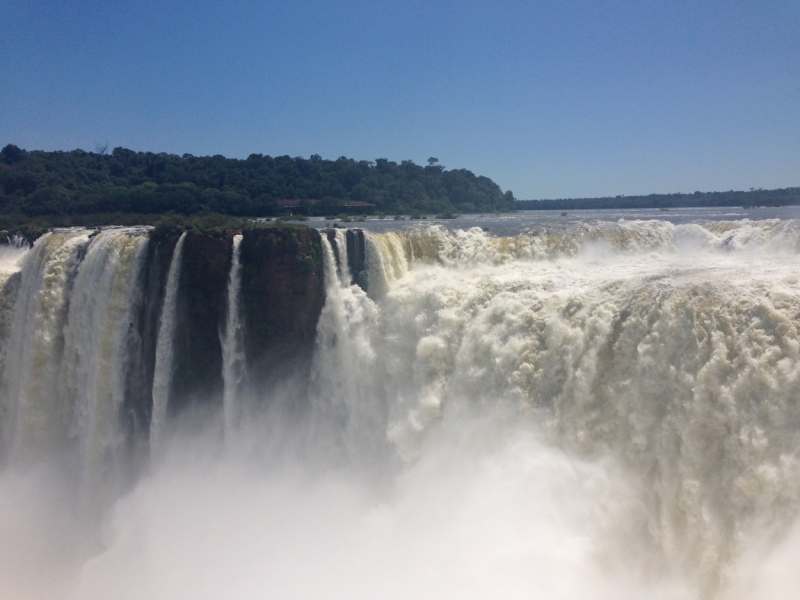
(549, 99)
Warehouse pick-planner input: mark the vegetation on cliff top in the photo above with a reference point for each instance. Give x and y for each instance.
(76, 185)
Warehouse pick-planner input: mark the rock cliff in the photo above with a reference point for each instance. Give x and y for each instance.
(281, 298)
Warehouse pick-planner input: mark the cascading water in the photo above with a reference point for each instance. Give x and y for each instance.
(343, 266)
(233, 346)
(11, 257)
(64, 377)
(92, 374)
(586, 410)
(162, 376)
(672, 349)
(387, 261)
(35, 423)
(349, 407)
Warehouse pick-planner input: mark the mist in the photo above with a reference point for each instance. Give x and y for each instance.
(491, 510)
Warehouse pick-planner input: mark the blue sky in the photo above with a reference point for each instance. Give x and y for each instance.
(550, 99)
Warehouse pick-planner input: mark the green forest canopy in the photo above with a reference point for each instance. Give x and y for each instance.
(38, 183)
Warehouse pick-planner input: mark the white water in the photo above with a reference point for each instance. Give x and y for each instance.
(162, 377)
(670, 350)
(11, 258)
(64, 379)
(35, 423)
(233, 359)
(603, 411)
(92, 375)
(345, 393)
(343, 268)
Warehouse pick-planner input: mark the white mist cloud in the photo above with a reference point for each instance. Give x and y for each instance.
(480, 515)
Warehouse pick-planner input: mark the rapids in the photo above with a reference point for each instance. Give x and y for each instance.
(591, 410)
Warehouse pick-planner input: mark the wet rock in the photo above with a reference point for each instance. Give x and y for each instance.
(281, 298)
(201, 312)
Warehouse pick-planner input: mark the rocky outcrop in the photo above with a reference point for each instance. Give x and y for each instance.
(201, 310)
(357, 257)
(281, 298)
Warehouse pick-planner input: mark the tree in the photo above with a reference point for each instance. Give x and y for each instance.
(82, 183)
(12, 154)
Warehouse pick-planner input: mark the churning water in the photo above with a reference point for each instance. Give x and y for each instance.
(592, 409)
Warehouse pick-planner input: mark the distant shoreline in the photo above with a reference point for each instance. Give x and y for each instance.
(752, 198)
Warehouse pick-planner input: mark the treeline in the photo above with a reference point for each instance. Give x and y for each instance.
(780, 197)
(38, 183)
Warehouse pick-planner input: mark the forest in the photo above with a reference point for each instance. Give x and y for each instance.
(69, 187)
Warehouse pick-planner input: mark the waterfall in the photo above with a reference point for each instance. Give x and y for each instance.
(345, 387)
(233, 347)
(11, 257)
(162, 376)
(93, 368)
(35, 425)
(583, 409)
(676, 349)
(65, 373)
(387, 257)
(338, 240)
(344, 264)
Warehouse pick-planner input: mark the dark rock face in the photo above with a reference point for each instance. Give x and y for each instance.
(357, 257)
(201, 312)
(141, 349)
(281, 298)
(142, 340)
